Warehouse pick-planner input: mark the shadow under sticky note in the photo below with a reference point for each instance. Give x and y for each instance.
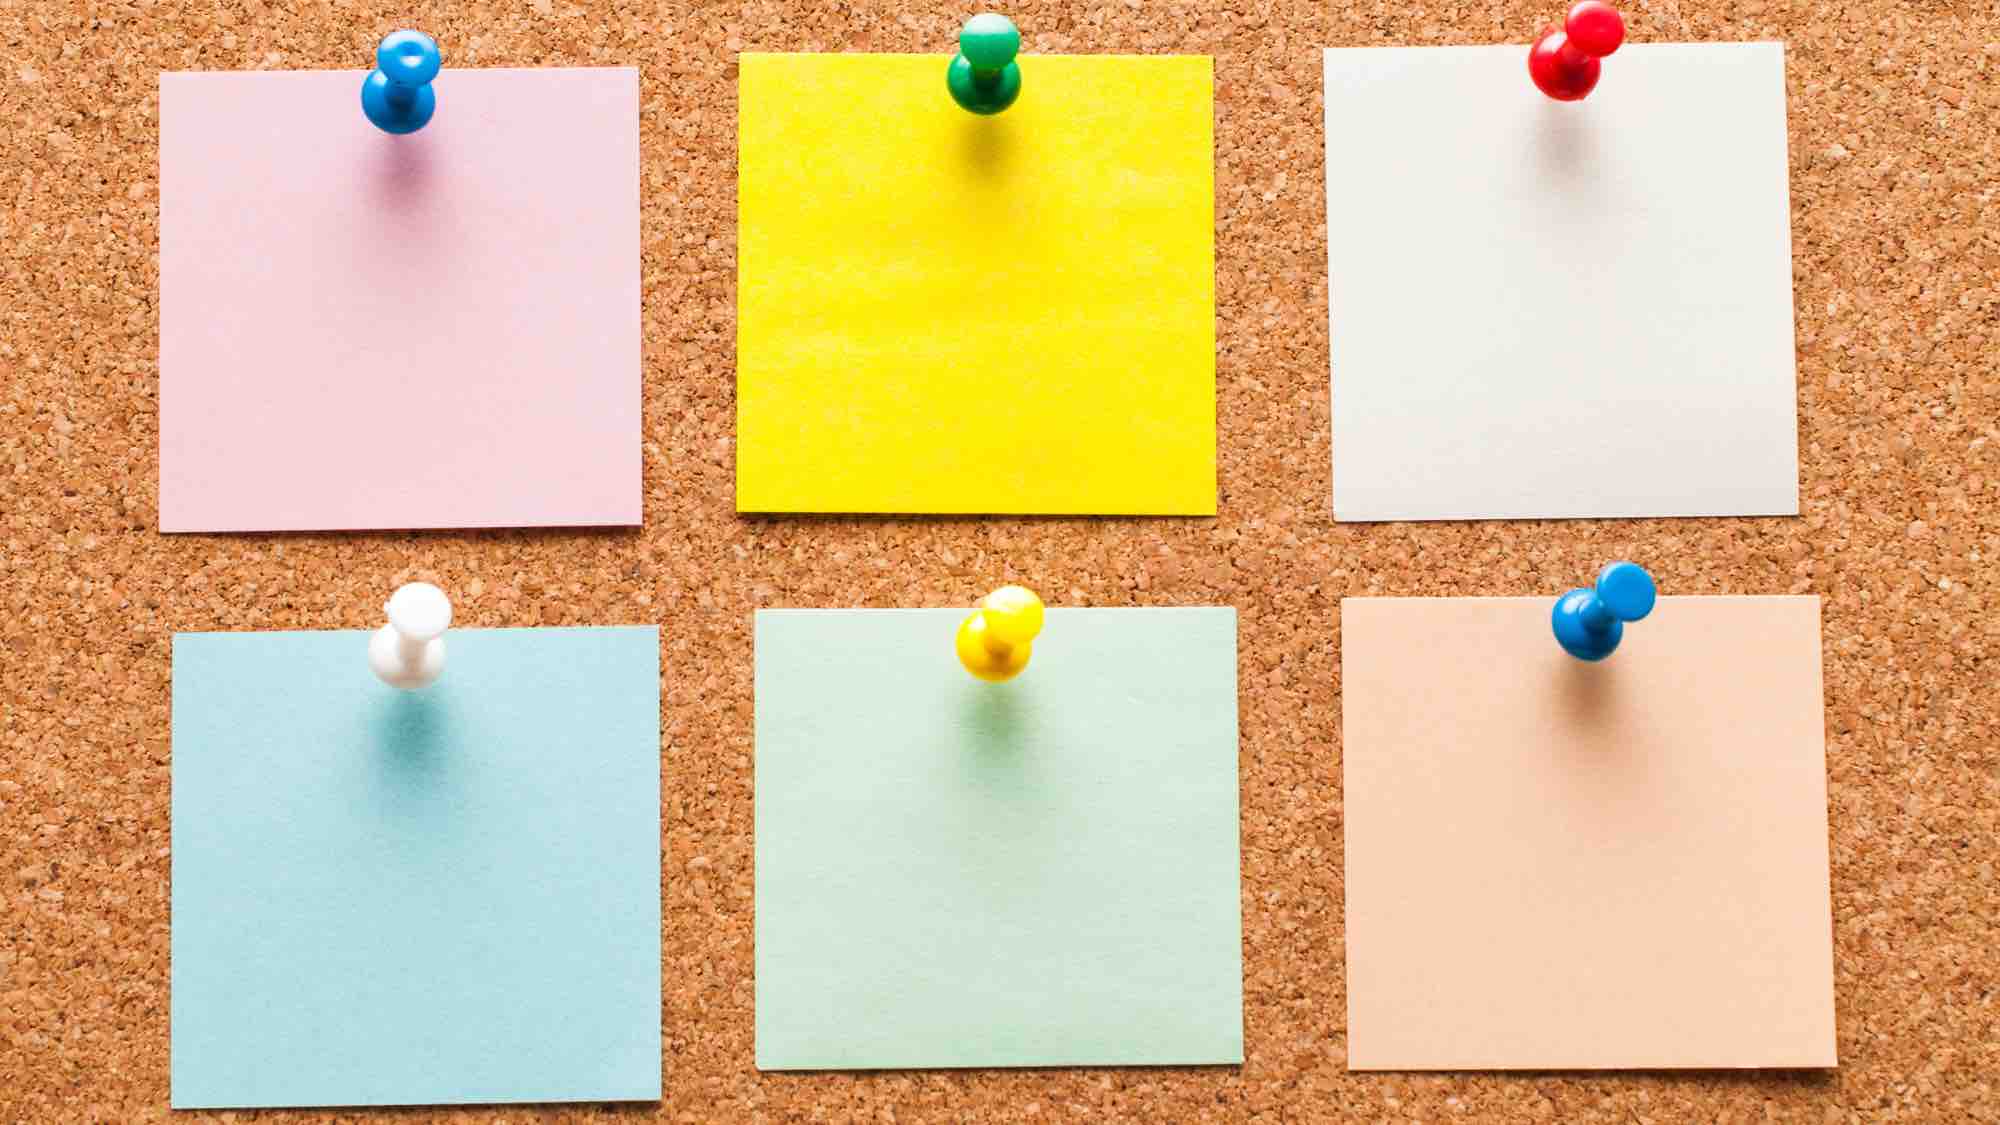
(944, 313)
(1560, 865)
(412, 898)
(953, 873)
(360, 330)
(1542, 309)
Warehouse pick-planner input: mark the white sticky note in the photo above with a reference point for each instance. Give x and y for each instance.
(1543, 309)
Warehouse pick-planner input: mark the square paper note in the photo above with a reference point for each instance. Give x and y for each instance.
(1560, 865)
(394, 898)
(1548, 309)
(953, 873)
(942, 312)
(366, 331)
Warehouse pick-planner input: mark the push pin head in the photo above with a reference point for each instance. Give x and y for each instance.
(408, 652)
(1590, 622)
(983, 76)
(1564, 60)
(397, 96)
(994, 642)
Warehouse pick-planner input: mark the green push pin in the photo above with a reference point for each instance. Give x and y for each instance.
(983, 76)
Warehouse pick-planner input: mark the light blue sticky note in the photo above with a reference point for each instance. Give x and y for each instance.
(953, 873)
(392, 898)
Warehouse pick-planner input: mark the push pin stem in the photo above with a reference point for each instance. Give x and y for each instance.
(995, 642)
(408, 652)
(400, 98)
(1589, 622)
(1596, 615)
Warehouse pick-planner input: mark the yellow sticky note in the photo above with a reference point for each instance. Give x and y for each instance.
(944, 313)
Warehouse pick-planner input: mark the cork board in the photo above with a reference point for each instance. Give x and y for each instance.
(1895, 146)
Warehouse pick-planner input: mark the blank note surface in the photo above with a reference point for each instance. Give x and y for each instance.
(945, 313)
(1560, 865)
(953, 873)
(360, 330)
(410, 898)
(1542, 309)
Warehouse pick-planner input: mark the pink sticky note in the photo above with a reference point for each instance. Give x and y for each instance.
(1559, 865)
(366, 331)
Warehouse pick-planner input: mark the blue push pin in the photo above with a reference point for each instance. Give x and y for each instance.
(1589, 622)
(398, 97)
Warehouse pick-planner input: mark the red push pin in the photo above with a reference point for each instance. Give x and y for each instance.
(1563, 61)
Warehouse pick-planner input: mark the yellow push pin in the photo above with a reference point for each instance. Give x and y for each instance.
(993, 643)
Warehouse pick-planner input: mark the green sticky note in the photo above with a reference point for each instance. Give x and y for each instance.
(442, 896)
(953, 873)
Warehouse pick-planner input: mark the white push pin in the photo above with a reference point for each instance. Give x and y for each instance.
(408, 652)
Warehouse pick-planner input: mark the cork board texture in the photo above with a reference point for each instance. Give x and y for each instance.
(1894, 151)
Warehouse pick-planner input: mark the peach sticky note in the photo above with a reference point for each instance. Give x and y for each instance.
(944, 313)
(366, 331)
(1553, 864)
